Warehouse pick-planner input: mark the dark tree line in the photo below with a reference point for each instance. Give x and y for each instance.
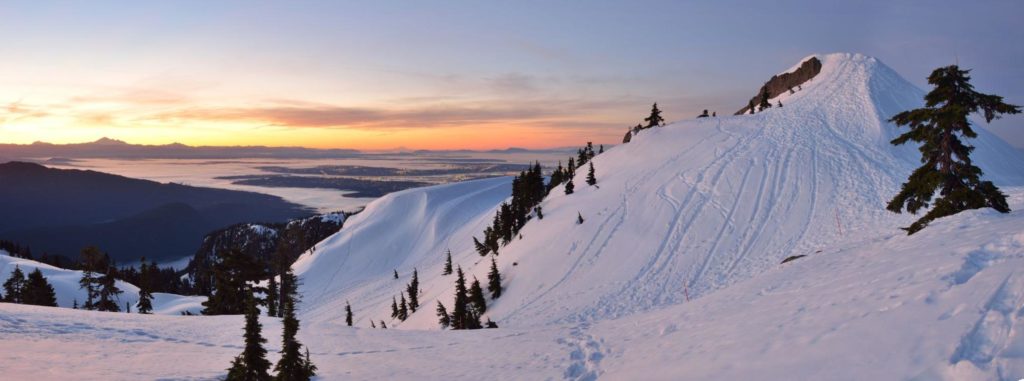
(528, 190)
(34, 290)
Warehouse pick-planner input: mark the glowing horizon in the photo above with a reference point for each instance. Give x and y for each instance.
(380, 76)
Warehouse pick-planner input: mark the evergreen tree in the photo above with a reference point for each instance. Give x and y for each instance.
(291, 366)
(348, 314)
(448, 262)
(491, 324)
(394, 308)
(779, 105)
(579, 218)
(765, 104)
(655, 118)
(461, 315)
(947, 166)
(477, 299)
(273, 295)
(38, 291)
(289, 289)
(600, 149)
(91, 261)
(413, 289)
(540, 212)
(704, 114)
(230, 277)
(750, 106)
(569, 187)
(372, 324)
(383, 325)
(74, 306)
(403, 309)
(591, 180)
(145, 288)
(14, 287)
(108, 291)
(396, 273)
(714, 114)
(481, 248)
(442, 316)
(494, 280)
(252, 364)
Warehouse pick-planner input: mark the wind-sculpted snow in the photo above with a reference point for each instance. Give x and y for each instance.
(679, 212)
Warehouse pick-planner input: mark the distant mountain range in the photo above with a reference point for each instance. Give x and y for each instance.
(117, 149)
(59, 211)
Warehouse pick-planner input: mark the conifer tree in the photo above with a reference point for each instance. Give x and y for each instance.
(14, 287)
(704, 114)
(476, 298)
(291, 366)
(765, 104)
(779, 105)
(273, 295)
(655, 118)
(145, 288)
(413, 290)
(348, 314)
(383, 325)
(396, 273)
(252, 364)
(289, 289)
(394, 308)
(461, 315)
(750, 106)
(540, 212)
(372, 324)
(90, 263)
(480, 247)
(600, 149)
(448, 262)
(494, 280)
(946, 162)
(38, 292)
(442, 316)
(108, 291)
(230, 275)
(403, 309)
(569, 187)
(579, 218)
(591, 180)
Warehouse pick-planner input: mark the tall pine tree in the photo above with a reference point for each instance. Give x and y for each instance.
(946, 162)
(252, 364)
(494, 280)
(591, 179)
(291, 366)
(14, 286)
(108, 292)
(569, 187)
(448, 262)
(413, 289)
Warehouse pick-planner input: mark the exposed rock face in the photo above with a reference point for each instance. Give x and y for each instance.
(783, 82)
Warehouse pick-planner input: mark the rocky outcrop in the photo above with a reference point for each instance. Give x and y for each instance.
(784, 82)
(261, 241)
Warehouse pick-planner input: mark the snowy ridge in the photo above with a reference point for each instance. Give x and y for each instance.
(681, 211)
(65, 285)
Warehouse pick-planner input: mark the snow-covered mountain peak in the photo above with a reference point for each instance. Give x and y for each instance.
(678, 213)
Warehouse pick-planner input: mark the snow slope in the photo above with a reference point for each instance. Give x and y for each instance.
(65, 285)
(944, 304)
(681, 211)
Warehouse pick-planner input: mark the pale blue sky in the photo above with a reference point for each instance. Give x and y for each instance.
(603, 60)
